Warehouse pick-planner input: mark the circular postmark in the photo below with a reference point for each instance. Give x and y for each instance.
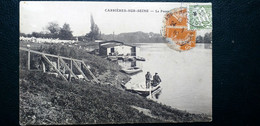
(175, 30)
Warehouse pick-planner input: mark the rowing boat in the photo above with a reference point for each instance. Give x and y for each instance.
(143, 91)
(140, 58)
(132, 70)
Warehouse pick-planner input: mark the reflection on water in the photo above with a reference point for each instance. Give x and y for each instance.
(157, 94)
(128, 64)
(186, 76)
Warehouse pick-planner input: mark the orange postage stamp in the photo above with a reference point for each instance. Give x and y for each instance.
(176, 30)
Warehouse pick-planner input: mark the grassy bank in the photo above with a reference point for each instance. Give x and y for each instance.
(44, 99)
(99, 66)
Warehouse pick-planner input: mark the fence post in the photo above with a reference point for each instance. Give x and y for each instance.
(29, 57)
(70, 67)
(58, 63)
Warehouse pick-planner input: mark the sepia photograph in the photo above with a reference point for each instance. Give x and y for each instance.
(114, 62)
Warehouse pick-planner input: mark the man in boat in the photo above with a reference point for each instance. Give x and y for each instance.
(156, 79)
(148, 77)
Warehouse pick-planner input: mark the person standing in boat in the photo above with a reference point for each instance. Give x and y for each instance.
(148, 78)
(156, 79)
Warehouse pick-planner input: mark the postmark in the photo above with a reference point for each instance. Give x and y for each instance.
(176, 32)
(200, 17)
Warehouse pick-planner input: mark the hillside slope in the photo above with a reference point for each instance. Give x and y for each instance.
(45, 99)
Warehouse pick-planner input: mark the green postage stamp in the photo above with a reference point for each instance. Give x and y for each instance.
(200, 17)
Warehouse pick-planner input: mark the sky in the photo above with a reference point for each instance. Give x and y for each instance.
(35, 16)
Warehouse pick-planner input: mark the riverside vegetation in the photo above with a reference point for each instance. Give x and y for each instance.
(46, 99)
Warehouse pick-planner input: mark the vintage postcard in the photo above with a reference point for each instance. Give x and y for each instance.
(115, 62)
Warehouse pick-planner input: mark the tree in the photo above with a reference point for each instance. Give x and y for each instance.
(23, 34)
(65, 32)
(208, 38)
(53, 27)
(94, 33)
(199, 39)
(35, 34)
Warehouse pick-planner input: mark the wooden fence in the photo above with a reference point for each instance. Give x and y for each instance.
(61, 61)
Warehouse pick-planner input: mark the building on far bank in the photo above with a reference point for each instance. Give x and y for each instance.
(116, 48)
(99, 40)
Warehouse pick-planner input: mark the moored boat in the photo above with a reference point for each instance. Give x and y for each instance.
(132, 70)
(140, 58)
(112, 58)
(144, 91)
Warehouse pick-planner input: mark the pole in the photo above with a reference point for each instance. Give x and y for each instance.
(70, 67)
(43, 67)
(150, 90)
(58, 62)
(29, 57)
(113, 35)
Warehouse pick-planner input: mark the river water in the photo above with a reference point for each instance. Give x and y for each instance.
(186, 76)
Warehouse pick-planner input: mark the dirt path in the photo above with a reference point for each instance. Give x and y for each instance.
(113, 78)
(147, 112)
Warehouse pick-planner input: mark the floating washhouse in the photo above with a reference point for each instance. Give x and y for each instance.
(114, 48)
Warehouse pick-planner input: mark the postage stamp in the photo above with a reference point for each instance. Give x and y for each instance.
(180, 25)
(200, 17)
(176, 30)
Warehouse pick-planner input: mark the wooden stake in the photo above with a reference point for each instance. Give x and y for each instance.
(29, 58)
(150, 90)
(43, 67)
(71, 65)
(58, 63)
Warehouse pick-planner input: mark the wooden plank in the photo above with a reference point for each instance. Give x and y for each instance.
(65, 65)
(36, 52)
(46, 58)
(92, 75)
(78, 68)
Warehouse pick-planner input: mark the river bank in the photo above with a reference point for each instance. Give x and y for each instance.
(45, 99)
